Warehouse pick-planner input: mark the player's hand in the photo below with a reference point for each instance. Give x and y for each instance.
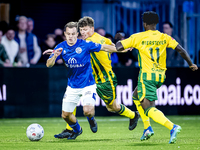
(126, 50)
(57, 52)
(193, 67)
(47, 52)
(130, 49)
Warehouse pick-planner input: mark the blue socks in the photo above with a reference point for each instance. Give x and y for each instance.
(76, 127)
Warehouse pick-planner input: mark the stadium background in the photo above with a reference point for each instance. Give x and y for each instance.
(37, 91)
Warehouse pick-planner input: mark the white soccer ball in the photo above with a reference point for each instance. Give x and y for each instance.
(35, 132)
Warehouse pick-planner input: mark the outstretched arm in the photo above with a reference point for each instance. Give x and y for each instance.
(48, 52)
(108, 48)
(185, 56)
(51, 61)
(112, 48)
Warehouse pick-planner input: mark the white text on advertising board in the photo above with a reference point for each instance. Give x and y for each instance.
(3, 93)
(167, 95)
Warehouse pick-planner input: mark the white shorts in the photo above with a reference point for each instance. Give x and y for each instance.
(73, 95)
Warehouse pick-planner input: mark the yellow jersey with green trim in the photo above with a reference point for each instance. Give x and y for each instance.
(152, 46)
(101, 61)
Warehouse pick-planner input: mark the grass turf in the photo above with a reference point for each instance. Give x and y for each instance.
(113, 134)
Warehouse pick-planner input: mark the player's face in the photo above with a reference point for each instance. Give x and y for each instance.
(167, 29)
(71, 35)
(86, 31)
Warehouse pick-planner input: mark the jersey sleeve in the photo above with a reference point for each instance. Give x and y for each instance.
(94, 47)
(171, 42)
(58, 46)
(108, 41)
(129, 42)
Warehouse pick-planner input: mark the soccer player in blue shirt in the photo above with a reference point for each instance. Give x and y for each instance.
(75, 54)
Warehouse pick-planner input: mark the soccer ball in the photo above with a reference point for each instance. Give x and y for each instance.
(35, 132)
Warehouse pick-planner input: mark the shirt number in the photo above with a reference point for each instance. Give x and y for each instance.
(151, 54)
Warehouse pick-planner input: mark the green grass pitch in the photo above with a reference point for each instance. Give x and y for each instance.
(113, 134)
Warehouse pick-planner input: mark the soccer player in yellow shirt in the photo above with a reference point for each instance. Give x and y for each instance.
(105, 78)
(152, 45)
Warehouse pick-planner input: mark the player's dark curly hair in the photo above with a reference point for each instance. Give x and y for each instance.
(86, 21)
(150, 17)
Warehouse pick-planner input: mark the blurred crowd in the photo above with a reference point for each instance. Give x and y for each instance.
(20, 47)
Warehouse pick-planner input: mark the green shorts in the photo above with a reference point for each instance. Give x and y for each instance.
(107, 91)
(148, 89)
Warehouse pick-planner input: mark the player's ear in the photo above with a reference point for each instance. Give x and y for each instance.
(65, 33)
(144, 24)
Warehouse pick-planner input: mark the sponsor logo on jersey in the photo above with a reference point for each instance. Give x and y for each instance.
(78, 50)
(72, 63)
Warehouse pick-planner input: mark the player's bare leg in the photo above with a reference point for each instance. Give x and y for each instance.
(67, 132)
(68, 117)
(73, 123)
(89, 112)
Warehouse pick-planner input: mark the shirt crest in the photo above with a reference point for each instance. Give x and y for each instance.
(78, 50)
